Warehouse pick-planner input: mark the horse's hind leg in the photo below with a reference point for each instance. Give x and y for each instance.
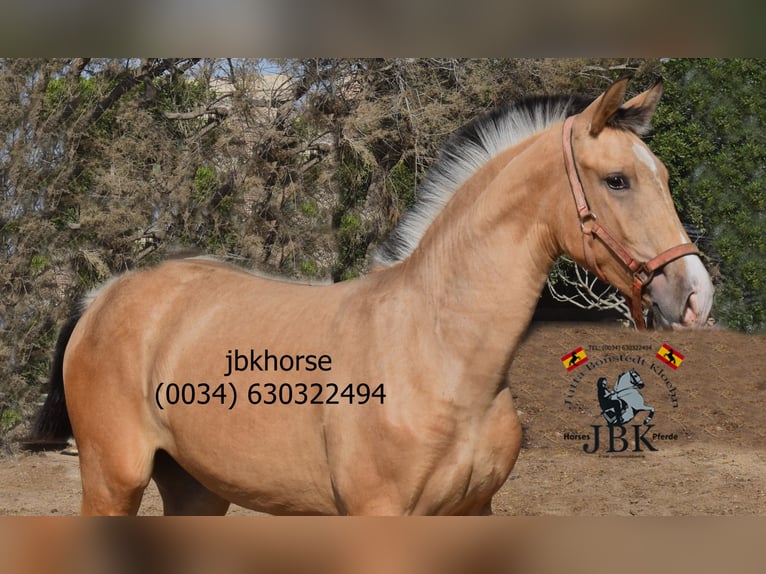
(181, 493)
(114, 477)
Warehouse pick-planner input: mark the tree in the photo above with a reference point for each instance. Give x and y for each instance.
(79, 140)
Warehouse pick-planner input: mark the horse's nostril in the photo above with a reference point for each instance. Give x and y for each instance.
(691, 311)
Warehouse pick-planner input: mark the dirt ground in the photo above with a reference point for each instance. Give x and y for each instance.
(710, 417)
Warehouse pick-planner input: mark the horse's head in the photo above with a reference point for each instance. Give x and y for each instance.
(635, 379)
(628, 230)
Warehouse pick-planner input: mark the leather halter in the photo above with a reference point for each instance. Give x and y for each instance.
(643, 272)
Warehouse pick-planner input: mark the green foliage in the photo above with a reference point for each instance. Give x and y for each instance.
(36, 372)
(352, 246)
(64, 217)
(63, 93)
(309, 268)
(225, 205)
(204, 183)
(9, 418)
(180, 95)
(222, 243)
(309, 209)
(348, 274)
(710, 131)
(402, 185)
(90, 268)
(349, 225)
(38, 264)
(354, 176)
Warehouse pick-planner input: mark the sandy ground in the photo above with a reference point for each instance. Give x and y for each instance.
(714, 462)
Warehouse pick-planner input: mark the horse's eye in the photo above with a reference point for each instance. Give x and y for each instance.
(617, 182)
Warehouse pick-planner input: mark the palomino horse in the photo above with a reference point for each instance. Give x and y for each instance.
(386, 394)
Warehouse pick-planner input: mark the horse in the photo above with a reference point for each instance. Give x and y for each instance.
(386, 394)
(625, 400)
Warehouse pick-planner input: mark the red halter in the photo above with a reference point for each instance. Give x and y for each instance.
(642, 271)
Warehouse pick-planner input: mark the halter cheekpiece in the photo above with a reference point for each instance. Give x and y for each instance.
(643, 272)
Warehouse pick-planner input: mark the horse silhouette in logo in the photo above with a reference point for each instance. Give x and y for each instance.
(620, 405)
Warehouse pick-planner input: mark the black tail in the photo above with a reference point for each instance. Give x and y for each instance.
(52, 423)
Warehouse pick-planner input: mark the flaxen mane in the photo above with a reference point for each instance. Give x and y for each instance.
(470, 148)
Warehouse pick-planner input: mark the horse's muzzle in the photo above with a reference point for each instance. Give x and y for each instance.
(681, 294)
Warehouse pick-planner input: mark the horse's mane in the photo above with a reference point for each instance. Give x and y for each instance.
(465, 152)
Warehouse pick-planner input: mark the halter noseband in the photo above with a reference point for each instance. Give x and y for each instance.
(643, 272)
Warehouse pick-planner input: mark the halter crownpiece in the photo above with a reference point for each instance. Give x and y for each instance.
(643, 272)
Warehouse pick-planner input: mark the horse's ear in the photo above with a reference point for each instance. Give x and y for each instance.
(636, 114)
(605, 106)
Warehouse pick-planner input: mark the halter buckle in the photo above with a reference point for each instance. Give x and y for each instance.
(585, 218)
(643, 275)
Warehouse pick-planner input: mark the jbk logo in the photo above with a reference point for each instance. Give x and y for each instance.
(620, 406)
(617, 441)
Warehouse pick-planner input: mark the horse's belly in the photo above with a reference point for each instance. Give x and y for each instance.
(270, 461)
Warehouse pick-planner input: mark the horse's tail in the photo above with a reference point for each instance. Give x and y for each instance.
(52, 423)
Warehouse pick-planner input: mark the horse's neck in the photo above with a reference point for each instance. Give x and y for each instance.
(482, 264)
(623, 382)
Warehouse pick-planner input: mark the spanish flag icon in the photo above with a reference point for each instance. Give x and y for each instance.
(574, 359)
(670, 356)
